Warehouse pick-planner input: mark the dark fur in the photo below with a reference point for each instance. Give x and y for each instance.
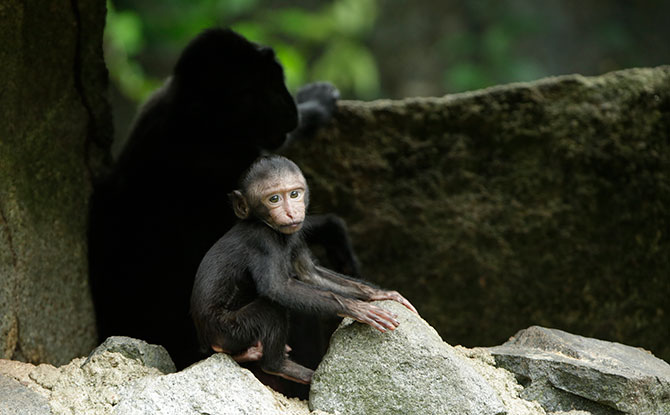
(166, 202)
(239, 295)
(253, 275)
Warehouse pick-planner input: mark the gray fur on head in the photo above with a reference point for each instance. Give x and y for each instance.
(267, 168)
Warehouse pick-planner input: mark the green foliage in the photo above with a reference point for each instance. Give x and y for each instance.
(325, 44)
(322, 45)
(123, 40)
(493, 42)
(481, 58)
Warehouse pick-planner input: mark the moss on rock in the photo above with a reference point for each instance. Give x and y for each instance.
(51, 130)
(538, 203)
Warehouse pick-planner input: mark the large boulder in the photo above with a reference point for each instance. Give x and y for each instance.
(408, 370)
(538, 203)
(54, 123)
(564, 371)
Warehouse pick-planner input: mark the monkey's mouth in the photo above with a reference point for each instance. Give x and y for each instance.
(290, 227)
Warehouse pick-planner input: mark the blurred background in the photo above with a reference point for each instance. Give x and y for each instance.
(390, 48)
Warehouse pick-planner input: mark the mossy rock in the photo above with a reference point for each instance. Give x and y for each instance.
(543, 203)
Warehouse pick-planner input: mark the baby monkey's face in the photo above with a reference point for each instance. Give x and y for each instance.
(285, 202)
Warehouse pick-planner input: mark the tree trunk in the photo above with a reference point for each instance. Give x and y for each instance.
(54, 126)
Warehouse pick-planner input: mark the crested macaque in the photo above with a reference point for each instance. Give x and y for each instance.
(261, 268)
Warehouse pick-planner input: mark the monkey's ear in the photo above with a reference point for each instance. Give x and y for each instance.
(240, 205)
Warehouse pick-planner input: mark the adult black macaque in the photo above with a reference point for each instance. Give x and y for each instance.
(262, 267)
(166, 201)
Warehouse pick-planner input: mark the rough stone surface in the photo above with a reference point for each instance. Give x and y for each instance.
(82, 386)
(54, 120)
(556, 400)
(16, 398)
(502, 381)
(117, 378)
(566, 372)
(537, 203)
(409, 370)
(150, 355)
(216, 385)
(92, 387)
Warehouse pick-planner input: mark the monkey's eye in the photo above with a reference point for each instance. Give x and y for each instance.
(295, 194)
(274, 199)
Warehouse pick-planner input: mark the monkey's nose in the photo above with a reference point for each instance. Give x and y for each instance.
(290, 213)
(288, 209)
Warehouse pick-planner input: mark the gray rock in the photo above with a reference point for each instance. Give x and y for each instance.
(97, 384)
(503, 382)
(92, 386)
(16, 399)
(150, 355)
(216, 385)
(554, 399)
(407, 371)
(605, 377)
